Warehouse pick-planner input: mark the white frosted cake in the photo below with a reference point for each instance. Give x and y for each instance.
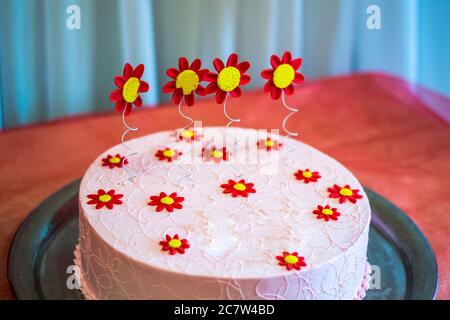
(221, 214)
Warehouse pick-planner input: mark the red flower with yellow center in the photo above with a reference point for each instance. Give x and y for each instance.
(105, 199)
(268, 144)
(240, 188)
(215, 154)
(168, 154)
(307, 176)
(168, 202)
(327, 213)
(188, 135)
(186, 81)
(344, 193)
(114, 161)
(130, 85)
(228, 79)
(174, 244)
(291, 261)
(283, 75)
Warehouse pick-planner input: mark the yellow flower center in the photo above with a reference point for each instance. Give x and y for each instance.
(327, 212)
(307, 174)
(290, 259)
(167, 200)
(168, 153)
(104, 198)
(130, 89)
(187, 133)
(114, 160)
(269, 143)
(283, 75)
(174, 243)
(346, 192)
(228, 79)
(239, 187)
(216, 154)
(188, 81)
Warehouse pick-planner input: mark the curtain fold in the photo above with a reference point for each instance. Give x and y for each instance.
(48, 71)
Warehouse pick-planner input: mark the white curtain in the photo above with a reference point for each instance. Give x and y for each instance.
(48, 71)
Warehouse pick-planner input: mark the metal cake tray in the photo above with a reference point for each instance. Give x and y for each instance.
(42, 251)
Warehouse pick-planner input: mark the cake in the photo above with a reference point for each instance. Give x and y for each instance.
(221, 214)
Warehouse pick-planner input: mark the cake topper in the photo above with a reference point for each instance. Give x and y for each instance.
(227, 81)
(185, 84)
(280, 82)
(129, 86)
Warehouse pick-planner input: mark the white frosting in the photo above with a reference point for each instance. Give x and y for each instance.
(234, 241)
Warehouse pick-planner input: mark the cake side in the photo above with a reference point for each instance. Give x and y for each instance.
(233, 241)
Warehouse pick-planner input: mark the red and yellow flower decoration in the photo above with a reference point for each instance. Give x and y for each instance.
(116, 161)
(174, 244)
(105, 199)
(307, 175)
(291, 261)
(186, 81)
(188, 135)
(129, 86)
(168, 202)
(344, 193)
(240, 188)
(327, 213)
(215, 154)
(282, 75)
(168, 154)
(269, 144)
(228, 79)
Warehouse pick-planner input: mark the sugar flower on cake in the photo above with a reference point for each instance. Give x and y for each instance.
(186, 81)
(291, 261)
(307, 175)
(228, 78)
(116, 161)
(268, 144)
(344, 193)
(282, 75)
(240, 188)
(187, 135)
(105, 199)
(327, 213)
(215, 154)
(129, 86)
(167, 154)
(174, 244)
(168, 202)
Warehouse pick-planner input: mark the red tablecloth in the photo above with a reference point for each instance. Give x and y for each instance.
(374, 124)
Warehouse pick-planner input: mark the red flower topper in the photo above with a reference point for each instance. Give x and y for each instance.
(168, 202)
(168, 154)
(291, 261)
(327, 213)
(268, 144)
(228, 79)
(186, 81)
(174, 244)
(344, 193)
(238, 188)
(105, 199)
(114, 161)
(130, 85)
(282, 75)
(215, 154)
(188, 135)
(307, 176)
